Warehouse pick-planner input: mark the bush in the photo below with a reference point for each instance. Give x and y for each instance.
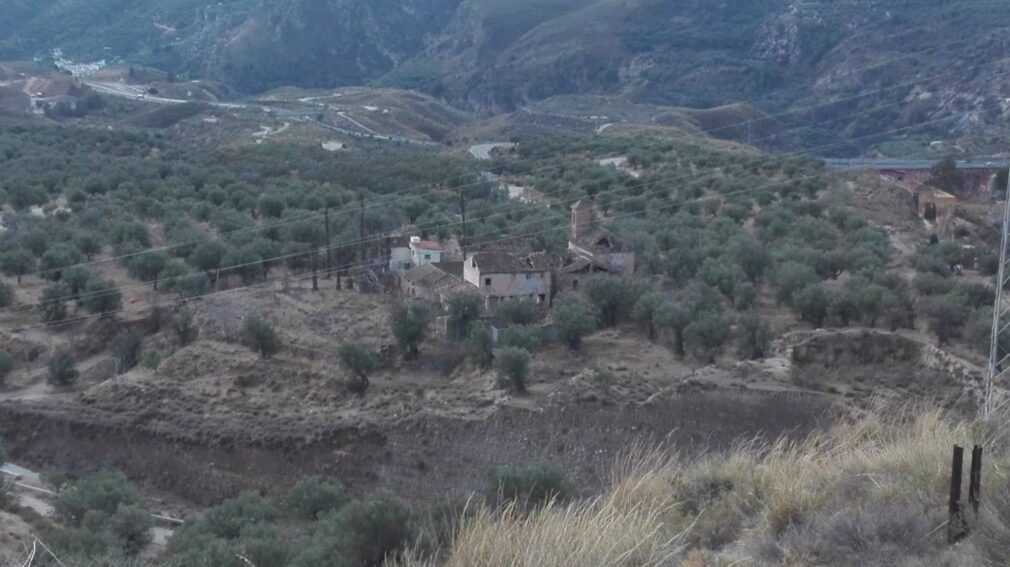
(185, 327)
(6, 295)
(614, 297)
(754, 336)
(480, 344)
(410, 322)
(7, 365)
(361, 533)
(514, 367)
(53, 305)
(103, 491)
(63, 369)
(464, 309)
(259, 335)
(152, 359)
(524, 337)
(519, 312)
(126, 349)
(574, 318)
(706, 334)
(228, 519)
(360, 361)
(530, 486)
(313, 497)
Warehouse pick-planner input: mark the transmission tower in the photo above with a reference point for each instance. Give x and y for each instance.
(999, 346)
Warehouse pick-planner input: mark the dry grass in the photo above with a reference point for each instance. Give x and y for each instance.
(871, 491)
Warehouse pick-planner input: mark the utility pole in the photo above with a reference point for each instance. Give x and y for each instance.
(361, 228)
(462, 209)
(998, 355)
(315, 269)
(329, 249)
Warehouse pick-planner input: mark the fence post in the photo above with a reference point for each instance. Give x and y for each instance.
(975, 480)
(955, 522)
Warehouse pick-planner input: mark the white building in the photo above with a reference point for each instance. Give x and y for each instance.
(499, 276)
(424, 252)
(406, 252)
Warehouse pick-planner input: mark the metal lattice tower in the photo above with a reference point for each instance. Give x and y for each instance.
(999, 346)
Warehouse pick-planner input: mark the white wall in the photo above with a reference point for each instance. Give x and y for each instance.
(421, 257)
(399, 259)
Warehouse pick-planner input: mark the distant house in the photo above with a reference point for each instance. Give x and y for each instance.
(406, 252)
(598, 246)
(424, 252)
(434, 283)
(499, 276)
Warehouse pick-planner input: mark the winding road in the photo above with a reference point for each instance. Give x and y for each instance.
(483, 151)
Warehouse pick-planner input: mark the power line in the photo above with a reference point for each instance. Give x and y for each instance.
(362, 242)
(382, 200)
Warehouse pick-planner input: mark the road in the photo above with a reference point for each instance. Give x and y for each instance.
(483, 151)
(907, 164)
(139, 93)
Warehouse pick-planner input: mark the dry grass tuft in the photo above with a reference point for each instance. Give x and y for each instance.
(873, 489)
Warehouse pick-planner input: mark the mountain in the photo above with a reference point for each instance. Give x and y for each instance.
(494, 56)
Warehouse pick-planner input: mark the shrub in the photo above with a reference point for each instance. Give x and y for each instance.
(102, 491)
(531, 486)
(647, 310)
(361, 533)
(7, 365)
(6, 295)
(514, 367)
(519, 312)
(754, 336)
(313, 497)
(360, 361)
(614, 297)
(228, 519)
(480, 344)
(259, 335)
(63, 369)
(152, 359)
(185, 327)
(126, 349)
(524, 337)
(410, 322)
(706, 334)
(53, 305)
(574, 318)
(464, 309)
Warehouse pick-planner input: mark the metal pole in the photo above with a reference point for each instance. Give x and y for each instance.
(1001, 311)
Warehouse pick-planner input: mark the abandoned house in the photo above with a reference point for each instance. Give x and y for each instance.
(499, 276)
(595, 250)
(434, 283)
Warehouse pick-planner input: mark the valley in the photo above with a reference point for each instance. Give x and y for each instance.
(465, 283)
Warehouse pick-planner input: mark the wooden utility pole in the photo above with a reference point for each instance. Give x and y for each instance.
(361, 228)
(329, 249)
(315, 269)
(462, 209)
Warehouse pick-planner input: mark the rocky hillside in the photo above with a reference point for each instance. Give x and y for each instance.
(494, 56)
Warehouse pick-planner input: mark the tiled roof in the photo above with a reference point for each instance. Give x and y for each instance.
(433, 277)
(505, 263)
(428, 245)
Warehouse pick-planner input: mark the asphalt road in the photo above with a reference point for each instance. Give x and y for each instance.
(139, 93)
(907, 165)
(483, 151)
